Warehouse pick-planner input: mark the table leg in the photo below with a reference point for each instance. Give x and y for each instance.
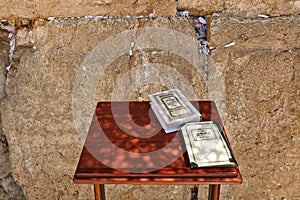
(194, 193)
(214, 192)
(99, 192)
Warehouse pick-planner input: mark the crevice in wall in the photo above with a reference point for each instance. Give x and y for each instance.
(201, 29)
(11, 191)
(151, 15)
(10, 27)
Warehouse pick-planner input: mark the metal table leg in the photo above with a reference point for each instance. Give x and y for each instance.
(194, 193)
(99, 191)
(214, 192)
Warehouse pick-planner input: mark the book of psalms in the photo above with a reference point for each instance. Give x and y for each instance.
(173, 109)
(206, 145)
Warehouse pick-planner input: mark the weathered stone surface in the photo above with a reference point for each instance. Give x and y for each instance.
(262, 97)
(269, 34)
(51, 58)
(3, 194)
(66, 8)
(8, 187)
(44, 9)
(264, 135)
(151, 192)
(282, 33)
(247, 8)
(4, 52)
(200, 8)
(260, 74)
(242, 8)
(13, 190)
(4, 159)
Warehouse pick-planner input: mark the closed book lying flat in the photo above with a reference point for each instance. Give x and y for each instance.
(206, 145)
(173, 109)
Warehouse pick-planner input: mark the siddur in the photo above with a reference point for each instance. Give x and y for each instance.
(206, 145)
(173, 109)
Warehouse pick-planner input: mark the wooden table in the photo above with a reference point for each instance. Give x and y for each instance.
(126, 145)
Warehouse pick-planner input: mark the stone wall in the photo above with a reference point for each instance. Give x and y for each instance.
(241, 8)
(8, 189)
(43, 9)
(261, 74)
(39, 121)
(78, 8)
(255, 83)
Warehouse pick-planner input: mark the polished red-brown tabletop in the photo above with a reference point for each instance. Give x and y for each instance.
(126, 145)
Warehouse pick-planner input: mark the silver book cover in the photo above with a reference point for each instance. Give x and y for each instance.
(173, 109)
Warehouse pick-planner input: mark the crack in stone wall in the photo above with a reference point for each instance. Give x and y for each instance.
(10, 189)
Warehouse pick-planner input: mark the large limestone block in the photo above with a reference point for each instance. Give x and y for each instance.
(244, 8)
(200, 8)
(253, 8)
(54, 60)
(262, 98)
(281, 33)
(262, 101)
(67, 8)
(17, 9)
